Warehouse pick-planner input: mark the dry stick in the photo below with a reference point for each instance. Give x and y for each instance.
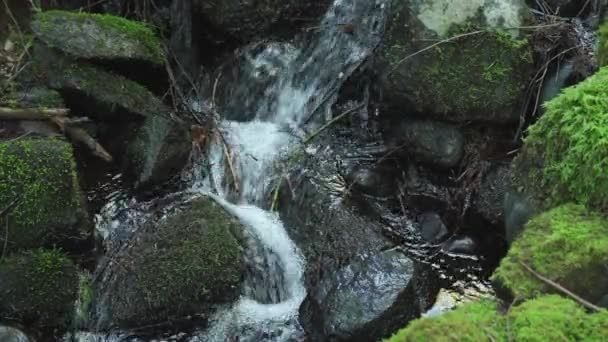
(562, 289)
(447, 40)
(331, 122)
(7, 113)
(228, 155)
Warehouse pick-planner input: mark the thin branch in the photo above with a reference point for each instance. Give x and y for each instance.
(561, 289)
(331, 122)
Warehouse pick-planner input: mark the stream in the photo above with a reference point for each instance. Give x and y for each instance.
(306, 79)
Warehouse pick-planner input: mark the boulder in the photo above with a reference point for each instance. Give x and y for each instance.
(40, 188)
(431, 142)
(38, 288)
(98, 36)
(568, 244)
(159, 150)
(365, 299)
(457, 80)
(185, 264)
(340, 245)
(245, 20)
(547, 318)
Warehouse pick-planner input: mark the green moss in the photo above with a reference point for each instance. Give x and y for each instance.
(602, 51)
(33, 98)
(90, 35)
(85, 299)
(41, 175)
(548, 318)
(470, 323)
(38, 287)
(181, 266)
(479, 74)
(568, 244)
(565, 156)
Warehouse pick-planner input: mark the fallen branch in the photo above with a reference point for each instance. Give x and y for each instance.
(561, 289)
(331, 122)
(31, 113)
(80, 135)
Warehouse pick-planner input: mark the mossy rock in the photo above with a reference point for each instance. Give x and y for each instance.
(159, 150)
(93, 90)
(184, 265)
(481, 76)
(565, 155)
(547, 318)
(568, 244)
(98, 36)
(40, 174)
(38, 288)
(33, 98)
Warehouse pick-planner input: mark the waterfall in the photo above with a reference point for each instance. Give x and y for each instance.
(306, 83)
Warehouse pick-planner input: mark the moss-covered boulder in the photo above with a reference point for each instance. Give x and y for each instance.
(245, 20)
(40, 180)
(38, 288)
(480, 76)
(98, 36)
(568, 244)
(184, 265)
(548, 318)
(159, 150)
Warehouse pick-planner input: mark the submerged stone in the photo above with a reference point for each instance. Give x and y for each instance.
(38, 288)
(568, 244)
(480, 76)
(98, 36)
(186, 264)
(39, 179)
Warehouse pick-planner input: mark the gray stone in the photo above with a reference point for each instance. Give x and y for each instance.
(518, 210)
(432, 227)
(489, 198)
(431, 142)
(367, 298)
(10, 334)
(461, 245)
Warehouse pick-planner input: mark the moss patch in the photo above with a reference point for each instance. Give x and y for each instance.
(38, 288)
(548, 318)
(41, 174)
(99, 36)
(568, 244)
(565, 156)
(181, 266)
(602, 51)
(34, 98)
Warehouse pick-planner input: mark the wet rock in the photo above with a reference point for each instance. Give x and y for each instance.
(432, 142)
(38, 288)
(365, 299)
(372, 180)
(10, 334)
(185, 264)
(100, 37)
(461, 245)
(96, 92)
(457, 82)
(245, 20)
(40, 177)
(336, 238)
(518, 211)
(432, 227)
(489, 199)
(159, 150)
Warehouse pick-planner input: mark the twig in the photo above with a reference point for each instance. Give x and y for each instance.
(80, 135)
(217, 79)
(275, 196)
(561, 289)
(447, 40)
(331, 122)
(31, 113)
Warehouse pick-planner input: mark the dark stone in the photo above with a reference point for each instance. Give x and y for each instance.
(518, 211)
(372, 180)
(159, 150)
(366, 299)
(461, 245)
(603, 303)
(489, 197)
(188, 263)
(432, 227)
(431, 142)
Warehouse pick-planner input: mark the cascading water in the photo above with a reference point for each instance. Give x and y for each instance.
(306, 81)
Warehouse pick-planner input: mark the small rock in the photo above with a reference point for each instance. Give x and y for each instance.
(432, 142)
(461, 245)
(372, 181)
(432, 227)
